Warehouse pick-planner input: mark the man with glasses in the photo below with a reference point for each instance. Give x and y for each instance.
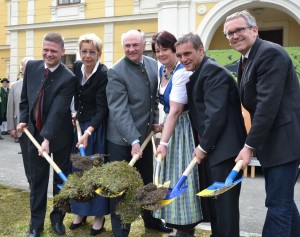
(216, 116)
(269, 90)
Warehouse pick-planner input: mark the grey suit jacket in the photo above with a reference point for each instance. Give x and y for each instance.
(269, 90)
(132, 100)
(13, 111)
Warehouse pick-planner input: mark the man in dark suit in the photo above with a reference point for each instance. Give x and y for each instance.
(216, 116)
(45, 109)
(269, 90)
(133, 109)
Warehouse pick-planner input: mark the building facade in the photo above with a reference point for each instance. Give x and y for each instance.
(23, 23)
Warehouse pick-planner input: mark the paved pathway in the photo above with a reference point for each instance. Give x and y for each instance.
(252, 208)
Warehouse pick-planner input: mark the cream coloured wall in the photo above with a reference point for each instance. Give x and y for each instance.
(22, 12)
(94, 9)
(42, 11)
(123, 7)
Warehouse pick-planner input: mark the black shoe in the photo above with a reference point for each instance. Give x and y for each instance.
(58, 228)
(94, 232)
(34, 233)
(3, 133)
(181, 233)
(75, 226)
(159, 227)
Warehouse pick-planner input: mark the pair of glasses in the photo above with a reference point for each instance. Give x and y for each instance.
(238, 31)
(85, 52)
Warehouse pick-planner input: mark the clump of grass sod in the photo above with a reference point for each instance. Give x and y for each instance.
(86, 162)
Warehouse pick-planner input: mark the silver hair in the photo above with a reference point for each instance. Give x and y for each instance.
(250, 20)
(133, 32)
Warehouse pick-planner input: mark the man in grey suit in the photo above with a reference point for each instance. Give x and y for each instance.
(133, 109)
(269, 90)
(13, 117)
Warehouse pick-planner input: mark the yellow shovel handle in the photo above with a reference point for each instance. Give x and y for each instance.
(136, 157)
(45, 154)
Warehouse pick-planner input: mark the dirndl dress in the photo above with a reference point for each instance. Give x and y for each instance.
(186, 208)
(99, 205)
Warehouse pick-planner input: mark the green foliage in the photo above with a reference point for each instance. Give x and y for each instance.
(229, 58)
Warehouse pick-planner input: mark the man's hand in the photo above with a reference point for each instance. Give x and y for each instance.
(157, 128)
(199, 154)
(13, 133)
(21, 126)
(44, 147)
(136, 149)
(246, 155)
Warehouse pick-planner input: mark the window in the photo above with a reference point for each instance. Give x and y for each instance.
(68, 60)
(65, 2)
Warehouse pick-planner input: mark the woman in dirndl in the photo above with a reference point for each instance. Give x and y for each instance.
(177, 140)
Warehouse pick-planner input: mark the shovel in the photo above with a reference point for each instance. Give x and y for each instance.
(157, 169)
(79, 134)
(81, 160)
(218, 188)
(133, 160)
(177, 190)
(47, 157)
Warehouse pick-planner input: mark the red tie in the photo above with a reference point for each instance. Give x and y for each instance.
(40, 99)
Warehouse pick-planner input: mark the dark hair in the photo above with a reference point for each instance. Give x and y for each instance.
(164, 39)
(55, 37)
(190, 37)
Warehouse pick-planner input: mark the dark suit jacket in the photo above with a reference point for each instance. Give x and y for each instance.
(90, 99)
(56, 114)
(215, 111)
(269, 90)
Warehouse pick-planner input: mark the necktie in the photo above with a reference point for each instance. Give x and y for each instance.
(39, 105)
(244, 61)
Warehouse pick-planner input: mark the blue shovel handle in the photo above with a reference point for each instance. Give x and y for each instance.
(81, 150)
(232, 175)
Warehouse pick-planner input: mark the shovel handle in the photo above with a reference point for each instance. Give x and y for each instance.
(190, 167)
(46, 156)
(157, 169)
(232, 175)
(79, 134)
(136, 157)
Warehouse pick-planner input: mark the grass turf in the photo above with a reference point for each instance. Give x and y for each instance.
(15, 216)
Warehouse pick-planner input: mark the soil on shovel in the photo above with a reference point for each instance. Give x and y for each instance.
(113, 177)
(86, 162)
(149, 195)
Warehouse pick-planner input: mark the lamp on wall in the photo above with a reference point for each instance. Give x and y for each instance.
(258, 11)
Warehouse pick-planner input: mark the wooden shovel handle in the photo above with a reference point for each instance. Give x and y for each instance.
(157, 169)
(136, 157)
(190, 167)
(45, 154)
(78, 129)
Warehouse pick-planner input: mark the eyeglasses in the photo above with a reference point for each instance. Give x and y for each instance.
(85, 52)
(238, 31)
